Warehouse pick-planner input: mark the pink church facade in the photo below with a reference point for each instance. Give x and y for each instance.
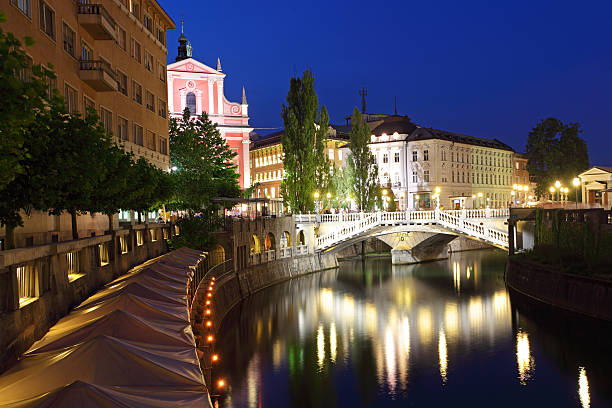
(199, 87)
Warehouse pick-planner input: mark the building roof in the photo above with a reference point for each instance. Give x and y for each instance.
(429, 133)
(391, 124)
(342, 133)
(604, 168)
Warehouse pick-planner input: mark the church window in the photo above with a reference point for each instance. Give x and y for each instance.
(425, 155)
(190, 102)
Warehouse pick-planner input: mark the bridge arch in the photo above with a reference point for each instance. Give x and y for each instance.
(285, 240)
(216, 255)
(255, 244)
(270, 242)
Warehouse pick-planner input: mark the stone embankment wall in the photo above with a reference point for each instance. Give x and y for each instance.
(580, 294)
(53, 292)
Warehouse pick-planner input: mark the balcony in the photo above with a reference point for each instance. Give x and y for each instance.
(98, 75)
(97, 21)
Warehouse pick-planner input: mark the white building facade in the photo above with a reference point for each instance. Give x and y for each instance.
(468, 172)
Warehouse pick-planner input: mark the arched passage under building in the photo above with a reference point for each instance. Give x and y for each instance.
(285, 240)
(216, 255)
(255, 245)
(270, 242)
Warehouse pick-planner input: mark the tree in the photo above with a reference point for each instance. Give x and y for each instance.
(323, 166)
(303, 144)
(204, 164)
(363, 169)
(24, 92)
(555, 152)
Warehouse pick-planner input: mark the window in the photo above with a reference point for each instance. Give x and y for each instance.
(472, 178)
(47, 19)
(190, 103)
(26, 282)
(161, 108)
(443, 155)
(161, 71)
(148, 61)
(150, 101)
(123, 244)
(153, 233)
(122, 128)
(86, 53)
(136, 50)
(106, 117)
(135, 8)
(385, 157)
(139, 238)
(24, 5)
(71, 96)
(331, 154)
(453, 176)
(122, 81)
(415, 177)
(137, 134)
(147, 22)
(151, 140)
(72, 264)
(396, 157)
(69, 39)
(104, 260)
(161, 35)
(425, 155)
(163, 145)
(426, 176)
(339, 156)
(444, 178)
(462, 177)
(88, 103)
(137, 92)
(415, 155)
(121, 38)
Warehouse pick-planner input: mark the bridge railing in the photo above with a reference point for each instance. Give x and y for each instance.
(285, 252)
(270, 255)
(301, 249)
(305, 218)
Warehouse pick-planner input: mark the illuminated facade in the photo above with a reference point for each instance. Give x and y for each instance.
(267, 159)
(194, 85)
(109, 56)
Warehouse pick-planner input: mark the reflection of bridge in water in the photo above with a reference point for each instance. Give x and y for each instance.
(343, 229)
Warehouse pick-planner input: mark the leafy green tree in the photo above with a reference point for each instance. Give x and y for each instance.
(363, 169)
(323, 166)
(303, 144)
(24, 92)
(555, 151)
(203, 162)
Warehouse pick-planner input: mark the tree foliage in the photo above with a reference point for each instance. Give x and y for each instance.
(24, 92)
(202, 164)
(363, 169)
(303, 140)
(555, 151)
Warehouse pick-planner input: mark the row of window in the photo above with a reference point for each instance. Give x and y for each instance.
(385, 157)
(268, 159)
(463, 177)
(265, 192)
(270, 175)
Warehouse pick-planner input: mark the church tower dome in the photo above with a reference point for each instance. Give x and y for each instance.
(184, 48)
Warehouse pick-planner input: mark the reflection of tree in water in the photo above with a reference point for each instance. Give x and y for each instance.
(569, 340)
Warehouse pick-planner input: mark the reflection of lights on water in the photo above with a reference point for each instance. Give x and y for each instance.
(443, 356)
(390, 358)
(348, 306)
(258, 329)
(301, 325)
(327, 300)
(425, 324)
(252, 380)
(457, 276)
(467, 272)
(525, 362)
(320, 346)
(500, 302)
(475, 312)
(370, 317)
(583, 388)
(403, 350)
(276, 354)
(451, 319)
(333, 347)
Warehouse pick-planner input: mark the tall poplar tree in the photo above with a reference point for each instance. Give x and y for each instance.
(362, 167)
(303, 143)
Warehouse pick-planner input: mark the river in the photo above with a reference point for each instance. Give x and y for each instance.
(444, 333)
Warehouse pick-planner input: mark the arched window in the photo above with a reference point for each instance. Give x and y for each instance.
(190, 103)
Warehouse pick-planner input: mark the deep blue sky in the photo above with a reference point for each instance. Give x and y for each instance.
(472, 67)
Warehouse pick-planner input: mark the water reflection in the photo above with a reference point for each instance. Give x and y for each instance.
(366, 336)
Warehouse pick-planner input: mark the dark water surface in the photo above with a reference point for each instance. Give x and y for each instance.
(444, 333)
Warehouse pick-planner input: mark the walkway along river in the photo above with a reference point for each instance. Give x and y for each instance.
(444, 333)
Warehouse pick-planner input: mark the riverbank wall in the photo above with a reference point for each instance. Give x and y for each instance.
(579, 294)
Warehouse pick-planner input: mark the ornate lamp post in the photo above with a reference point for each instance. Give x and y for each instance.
(552, 193)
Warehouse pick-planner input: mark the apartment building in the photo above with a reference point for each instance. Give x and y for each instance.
(109, 56)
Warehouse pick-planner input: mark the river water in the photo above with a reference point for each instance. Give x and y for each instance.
(444, 333)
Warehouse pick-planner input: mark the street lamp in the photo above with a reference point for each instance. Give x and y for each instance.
(437, 195)
(576, 183)
(552, 193)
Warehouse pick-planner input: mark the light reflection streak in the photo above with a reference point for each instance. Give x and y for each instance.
(525, 362)
(583, 388)
(252, 381)
(320, 346)
(475, 312)
(390, 358)
(451, 319)
(443, 356)
(425, 324)
(457, 276)
(333, 347)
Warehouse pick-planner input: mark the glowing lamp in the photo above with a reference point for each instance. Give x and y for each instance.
(557, 184)
(215, 357)
(576, 181)
(210, 339)
(208, 323)
(221, 383)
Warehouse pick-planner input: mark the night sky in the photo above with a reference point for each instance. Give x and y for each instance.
(472, 67)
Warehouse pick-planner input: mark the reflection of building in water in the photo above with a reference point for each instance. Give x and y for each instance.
(443, 356)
